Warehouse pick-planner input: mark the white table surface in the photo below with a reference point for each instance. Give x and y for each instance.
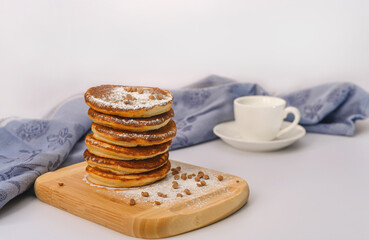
(317, 188)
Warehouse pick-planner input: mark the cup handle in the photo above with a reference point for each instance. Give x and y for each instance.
(296, 114)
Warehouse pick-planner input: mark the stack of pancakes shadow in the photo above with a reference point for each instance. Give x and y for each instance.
(132, 132)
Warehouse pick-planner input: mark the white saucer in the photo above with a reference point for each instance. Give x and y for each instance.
(229, 133)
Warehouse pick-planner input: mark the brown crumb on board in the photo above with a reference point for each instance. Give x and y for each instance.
(145, 194)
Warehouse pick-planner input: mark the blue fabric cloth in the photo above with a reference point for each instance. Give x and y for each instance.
(29, 147)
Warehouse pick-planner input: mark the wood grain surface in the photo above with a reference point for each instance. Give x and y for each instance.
(66, 189)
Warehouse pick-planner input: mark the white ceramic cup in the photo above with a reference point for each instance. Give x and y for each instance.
(259, 118)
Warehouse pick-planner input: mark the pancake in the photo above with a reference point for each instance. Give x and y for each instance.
(131, 124)
(126, 167)
(131, 102)
(107, 150)
(134, 139)
(110, 179)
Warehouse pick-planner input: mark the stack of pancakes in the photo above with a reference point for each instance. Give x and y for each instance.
(132, 132)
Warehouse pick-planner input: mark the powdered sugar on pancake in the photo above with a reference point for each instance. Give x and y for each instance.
(168, 131)
(133, 121)
(109, 120)
(138, 135)
(119, 98)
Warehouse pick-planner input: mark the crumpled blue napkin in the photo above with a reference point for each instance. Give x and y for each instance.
(29, 148)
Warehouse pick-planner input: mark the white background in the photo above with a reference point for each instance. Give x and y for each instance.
(50, 50)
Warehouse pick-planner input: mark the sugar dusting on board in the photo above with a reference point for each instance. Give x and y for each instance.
(120, 98)
(165, 188)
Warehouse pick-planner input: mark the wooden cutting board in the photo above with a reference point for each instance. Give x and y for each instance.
(68, 189)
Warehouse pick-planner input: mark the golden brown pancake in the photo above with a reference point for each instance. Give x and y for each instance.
(134, 139)
(126, 167)
(131, 124)
(107, 178)
(107, 150)
(131, 102)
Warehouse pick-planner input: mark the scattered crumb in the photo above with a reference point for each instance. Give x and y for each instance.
(174, 184)
(184, 176)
